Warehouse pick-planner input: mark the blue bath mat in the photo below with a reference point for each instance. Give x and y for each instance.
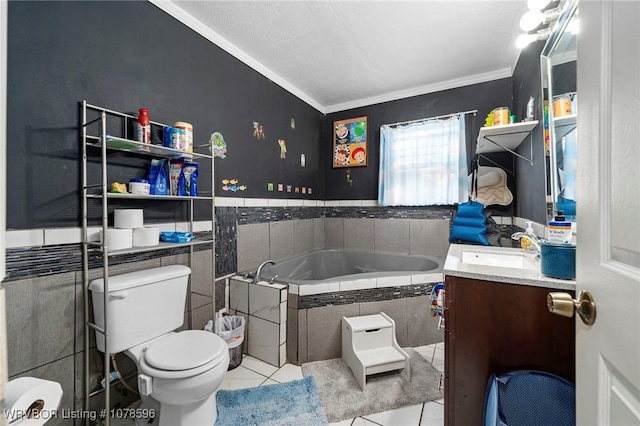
(293, 403)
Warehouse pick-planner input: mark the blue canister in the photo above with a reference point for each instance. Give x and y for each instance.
(174, 138)
(558, 260)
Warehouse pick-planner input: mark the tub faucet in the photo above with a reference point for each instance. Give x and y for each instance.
(262, 265)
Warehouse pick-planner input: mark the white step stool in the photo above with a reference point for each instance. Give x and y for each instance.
(369, 346)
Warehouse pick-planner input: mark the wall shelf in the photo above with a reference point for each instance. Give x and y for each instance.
(127, 196)
(505, 138)
(564, 125)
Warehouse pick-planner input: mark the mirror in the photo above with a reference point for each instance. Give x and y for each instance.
(558, 61)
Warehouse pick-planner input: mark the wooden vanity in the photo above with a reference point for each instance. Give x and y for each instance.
(493, 325)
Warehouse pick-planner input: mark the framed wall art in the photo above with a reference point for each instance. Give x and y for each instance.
(350, 142)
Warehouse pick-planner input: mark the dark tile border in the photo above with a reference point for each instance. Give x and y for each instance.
(366, 295)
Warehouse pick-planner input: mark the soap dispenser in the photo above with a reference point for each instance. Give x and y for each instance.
(527, 241)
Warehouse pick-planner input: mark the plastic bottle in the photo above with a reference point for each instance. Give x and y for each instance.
(143, 126)
(526, 241)
(559, 230)
(530, 109)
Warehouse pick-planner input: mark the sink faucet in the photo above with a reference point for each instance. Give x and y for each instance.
(532, 237)
(262, 265)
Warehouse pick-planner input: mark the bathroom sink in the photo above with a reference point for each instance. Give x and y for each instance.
(503, 260)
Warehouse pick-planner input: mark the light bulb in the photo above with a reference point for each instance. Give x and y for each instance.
(524, 39)
(531, 20)
(537, 4)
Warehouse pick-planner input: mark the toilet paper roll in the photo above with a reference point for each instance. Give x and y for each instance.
(128, 218)
(31, 401)
(145, 237)
(118, 239)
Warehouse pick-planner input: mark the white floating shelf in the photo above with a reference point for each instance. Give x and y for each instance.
(564, 125)
(503, 138)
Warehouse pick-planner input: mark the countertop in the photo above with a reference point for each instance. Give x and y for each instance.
(529, 275)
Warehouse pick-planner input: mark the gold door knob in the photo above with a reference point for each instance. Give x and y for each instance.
(563, 304)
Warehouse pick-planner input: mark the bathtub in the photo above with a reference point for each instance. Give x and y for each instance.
(297, 317)
(326, 271)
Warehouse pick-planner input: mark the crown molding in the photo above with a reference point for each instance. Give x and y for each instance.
(421, 90)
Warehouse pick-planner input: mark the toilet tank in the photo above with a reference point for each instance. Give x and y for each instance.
(143, 305)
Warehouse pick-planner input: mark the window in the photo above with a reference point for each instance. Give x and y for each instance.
(423, 163)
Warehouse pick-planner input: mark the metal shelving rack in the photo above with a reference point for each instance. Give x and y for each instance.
(106, 143)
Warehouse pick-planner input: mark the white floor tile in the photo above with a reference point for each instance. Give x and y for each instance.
(347, 422)
(432, 414)
(426, 351)
(258, 366)
(240, 378)
(269, 382)
(438, 360)
(405, 416)
(359, 421)
(287, 373)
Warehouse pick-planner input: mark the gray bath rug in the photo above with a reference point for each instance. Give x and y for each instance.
(343, 399)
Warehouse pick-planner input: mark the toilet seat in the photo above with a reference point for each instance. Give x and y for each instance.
(184, 354)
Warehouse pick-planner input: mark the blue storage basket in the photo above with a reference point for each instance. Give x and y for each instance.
(558, 260)
(529, 398)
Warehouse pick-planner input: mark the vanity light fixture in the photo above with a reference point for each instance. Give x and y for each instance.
(534, 18)
(537, 4)
(524, 39)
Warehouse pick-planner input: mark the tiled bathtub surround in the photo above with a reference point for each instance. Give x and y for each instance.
(314, 331)
(264, 306)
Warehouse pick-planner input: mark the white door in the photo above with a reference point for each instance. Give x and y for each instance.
(608, 251)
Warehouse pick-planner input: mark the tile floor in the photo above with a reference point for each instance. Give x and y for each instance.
(253, 372)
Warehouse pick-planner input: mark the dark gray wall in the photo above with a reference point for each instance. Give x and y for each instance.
(124, 55)
(483, 96)
(530, 179)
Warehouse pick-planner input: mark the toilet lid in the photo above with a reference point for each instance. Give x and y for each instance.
(185, 350)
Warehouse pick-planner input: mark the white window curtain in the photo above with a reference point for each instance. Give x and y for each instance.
(423, 163)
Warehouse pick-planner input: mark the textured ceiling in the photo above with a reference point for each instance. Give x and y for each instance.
(342, 54)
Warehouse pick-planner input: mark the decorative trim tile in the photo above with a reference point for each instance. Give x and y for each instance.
(366, 295)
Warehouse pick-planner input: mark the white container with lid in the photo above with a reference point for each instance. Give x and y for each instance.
(139, 186)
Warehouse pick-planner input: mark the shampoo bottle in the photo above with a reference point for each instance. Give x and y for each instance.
(559, 230)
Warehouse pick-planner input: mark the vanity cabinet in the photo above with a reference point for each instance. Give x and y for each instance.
(496, 327)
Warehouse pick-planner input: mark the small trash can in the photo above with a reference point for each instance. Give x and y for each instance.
(231, 329)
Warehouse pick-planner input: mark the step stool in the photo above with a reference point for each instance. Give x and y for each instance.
(369, 347)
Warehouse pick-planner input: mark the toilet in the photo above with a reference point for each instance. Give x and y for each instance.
(178, 372)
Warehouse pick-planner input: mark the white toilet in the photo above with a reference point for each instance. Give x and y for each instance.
(179, 370)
